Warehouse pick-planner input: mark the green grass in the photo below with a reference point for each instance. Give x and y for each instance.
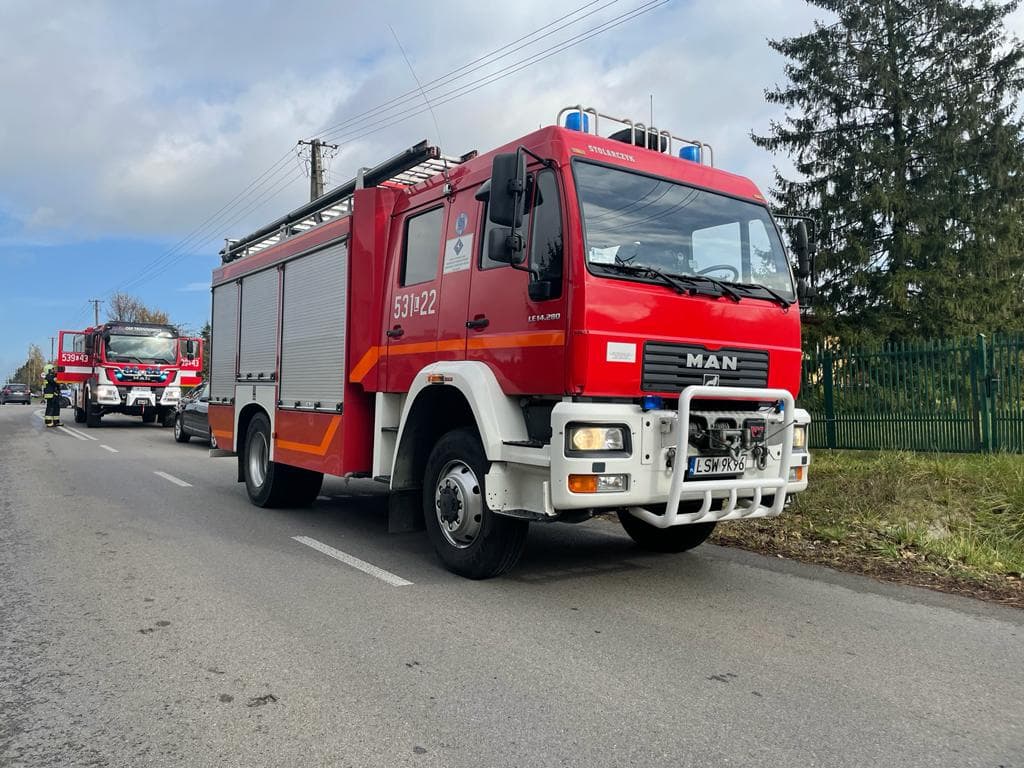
(940, 513)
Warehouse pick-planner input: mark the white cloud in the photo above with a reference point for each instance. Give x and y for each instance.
(145, 120)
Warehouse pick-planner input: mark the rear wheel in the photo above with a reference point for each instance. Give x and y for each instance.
(79, 416)
(268, 483)
(469, 538)
(678, 538)
(179, 431)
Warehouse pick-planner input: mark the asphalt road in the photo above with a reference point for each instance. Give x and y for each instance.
(144, 622)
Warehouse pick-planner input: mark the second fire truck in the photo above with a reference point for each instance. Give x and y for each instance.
(139, 369)
(568, 325)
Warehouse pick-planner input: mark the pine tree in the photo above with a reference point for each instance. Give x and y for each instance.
(901, 121)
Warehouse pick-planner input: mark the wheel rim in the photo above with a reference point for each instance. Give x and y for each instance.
(258, 455)
(459, 505)
(177, 427)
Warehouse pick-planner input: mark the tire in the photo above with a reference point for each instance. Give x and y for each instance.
(180, 435)
(149, 416)
(268, 483)
(92, 414)
(471, 540)
(79, 416)
(678, 538)
(168, 417)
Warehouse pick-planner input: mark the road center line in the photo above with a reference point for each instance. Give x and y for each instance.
(355, 562)
(173, 479)
(108, 448)
(83, 434)
(67, 431)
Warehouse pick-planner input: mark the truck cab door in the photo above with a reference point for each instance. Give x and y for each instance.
(190, 362)
(414, 306)
(73, 362)
(521, 338)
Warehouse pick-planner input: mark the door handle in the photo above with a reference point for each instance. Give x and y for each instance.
(395, 332)
(478, 322)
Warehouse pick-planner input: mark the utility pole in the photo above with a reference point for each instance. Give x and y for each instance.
(316, 166)
(51, 346)
(96, 310)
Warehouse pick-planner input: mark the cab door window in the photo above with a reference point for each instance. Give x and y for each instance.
(542, 221)
(420, 253)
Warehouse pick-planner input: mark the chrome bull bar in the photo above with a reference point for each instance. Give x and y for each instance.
(733, 507)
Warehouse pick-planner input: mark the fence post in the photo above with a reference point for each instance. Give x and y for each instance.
(984, 394)
(830, 410)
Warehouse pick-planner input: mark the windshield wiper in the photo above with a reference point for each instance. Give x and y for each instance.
(637, 269)
(725, 289)
(127, 358)
(779, 298)
(161, 360)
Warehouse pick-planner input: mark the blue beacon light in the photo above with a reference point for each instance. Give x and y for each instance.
(651, 402)
(690, 152)
(577, 121)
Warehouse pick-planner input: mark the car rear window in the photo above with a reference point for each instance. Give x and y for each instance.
(17, 387)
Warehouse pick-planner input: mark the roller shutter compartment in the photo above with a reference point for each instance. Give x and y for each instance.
(257, 358)
(313, 330)
(224, 342)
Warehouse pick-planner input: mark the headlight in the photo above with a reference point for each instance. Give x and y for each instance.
(586, 439)
(800, 437)
(171, 393)
(107, 393)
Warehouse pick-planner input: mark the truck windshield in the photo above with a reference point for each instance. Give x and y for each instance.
(633, 222)
(142, 349)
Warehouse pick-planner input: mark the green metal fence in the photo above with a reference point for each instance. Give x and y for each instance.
(953, 395)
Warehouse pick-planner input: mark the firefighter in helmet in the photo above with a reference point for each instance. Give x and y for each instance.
(51, 394)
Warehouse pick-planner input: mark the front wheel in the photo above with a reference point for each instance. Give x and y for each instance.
(79, 416)
(678, 538)
(180, 435)
(92, 412)
(470, 539)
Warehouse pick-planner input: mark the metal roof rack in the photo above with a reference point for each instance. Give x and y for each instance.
(640, 134)
(418, 163)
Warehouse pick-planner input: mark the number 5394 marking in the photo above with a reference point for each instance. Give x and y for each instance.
(412, 304)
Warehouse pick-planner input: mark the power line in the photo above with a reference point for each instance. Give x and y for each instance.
(208, 229)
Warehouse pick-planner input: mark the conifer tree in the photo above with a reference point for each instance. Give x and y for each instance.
(902, 121)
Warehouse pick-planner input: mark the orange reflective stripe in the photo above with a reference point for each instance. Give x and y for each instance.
(510, 340)
(317, 450)
(499, 341)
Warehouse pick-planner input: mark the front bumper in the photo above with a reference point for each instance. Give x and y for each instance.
(658, 489)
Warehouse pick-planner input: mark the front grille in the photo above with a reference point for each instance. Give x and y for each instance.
(673, 367)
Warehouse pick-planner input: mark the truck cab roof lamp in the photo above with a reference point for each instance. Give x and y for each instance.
(580, 118)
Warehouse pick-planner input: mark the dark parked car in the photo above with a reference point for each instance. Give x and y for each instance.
(15, 393)
(192, 417)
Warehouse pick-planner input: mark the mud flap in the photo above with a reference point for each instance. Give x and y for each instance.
(405, 511)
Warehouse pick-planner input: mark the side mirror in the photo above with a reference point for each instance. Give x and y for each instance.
(802, 251)
(190, 349)
(204, 399)
(89, 344)
(508, 183)
(505, 246)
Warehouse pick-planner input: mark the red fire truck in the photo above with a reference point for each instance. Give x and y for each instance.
(134, 368)
(568, 325)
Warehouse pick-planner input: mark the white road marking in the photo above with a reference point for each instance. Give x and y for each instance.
(108, 448)
(67, 431)
(355, 562)
(173, 479)
(83, 434)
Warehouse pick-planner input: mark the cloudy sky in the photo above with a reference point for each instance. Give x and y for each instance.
(131, 133)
